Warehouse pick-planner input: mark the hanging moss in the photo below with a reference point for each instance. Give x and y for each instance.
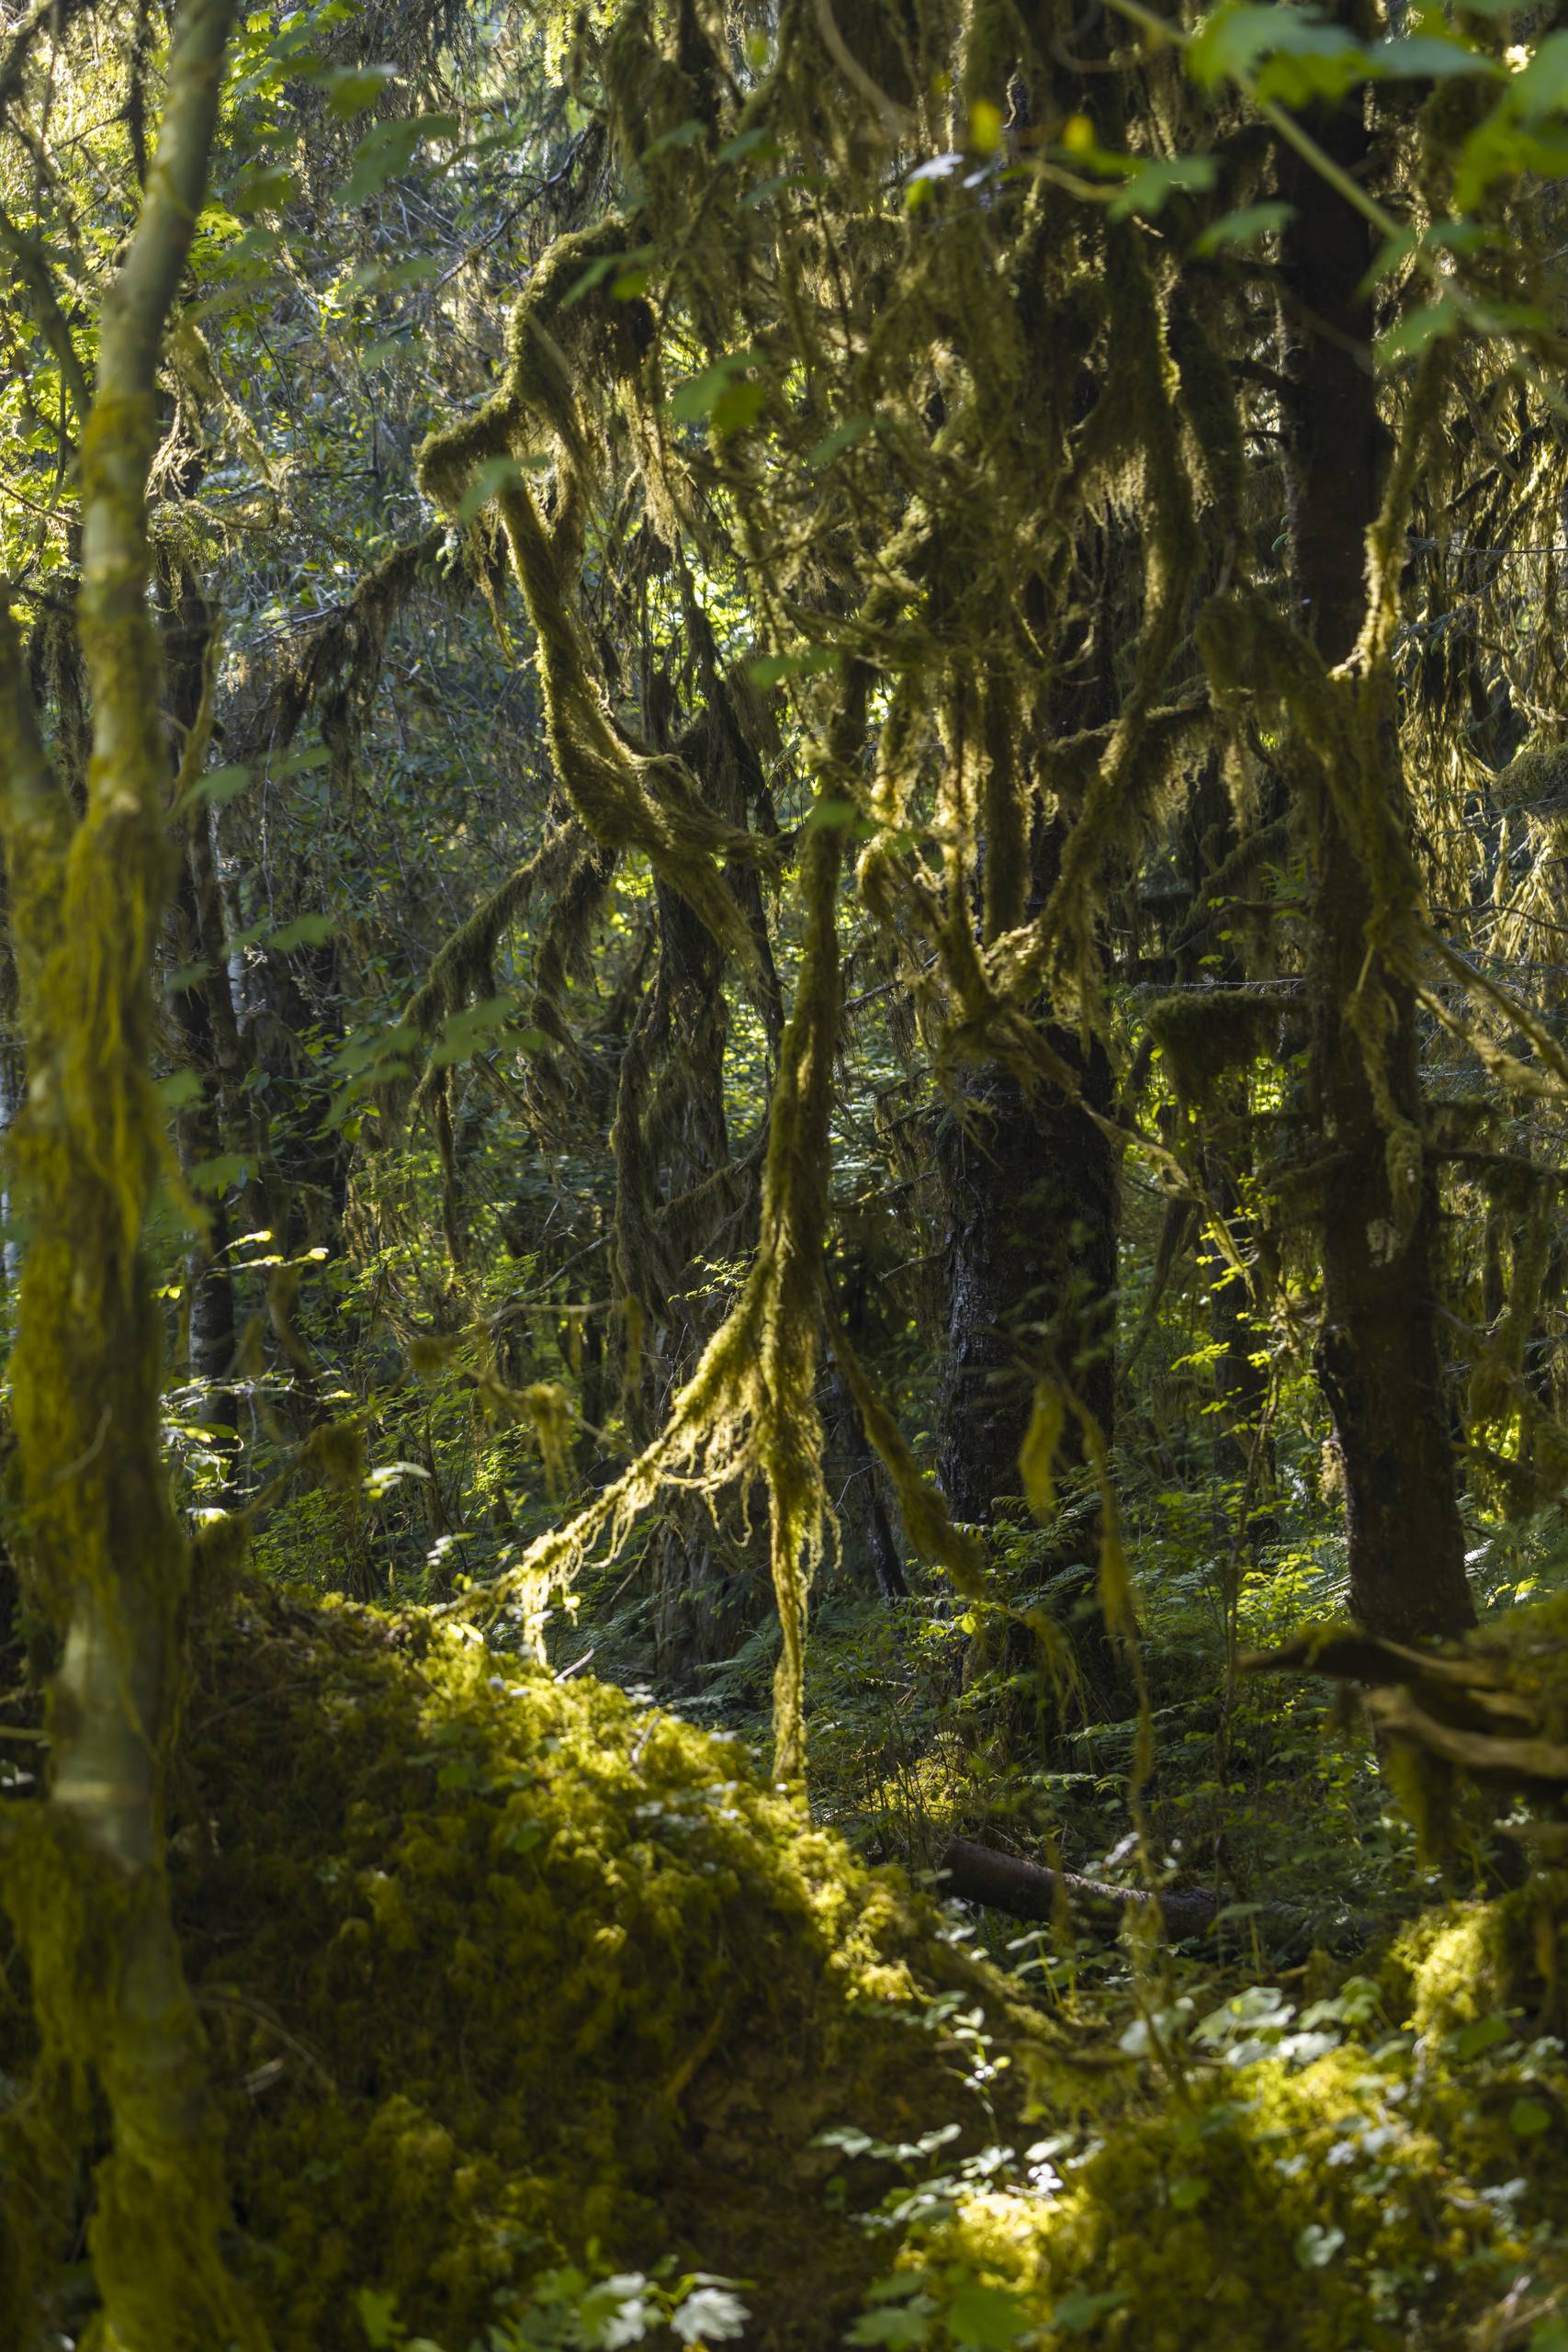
(1203, 1033)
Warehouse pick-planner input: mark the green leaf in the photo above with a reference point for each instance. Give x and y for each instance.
(986, 2319)
(217, 1175)
(843, 436)
(685, 134)
(1426, 57)
(352, 88)
(463, 1033)
(217, 786)
(1236, 39)
(1389, 255)
(765, 189)
(895, 2327)
(180, 1087)
(1528, 2118)
(758, 140)
(737, 406)
(832, 816)
(305, 931)
(716, 392)
(309, 755)
(1241, 228)
(1542, 87)
(1499, 148)
(496, 474)
(1409, 335)
(1080, 2311)
(608, 265)
(264, 191)
(1319, 76)
(389, 150)
(378, 2316)
(772, 668)
(1147, 188)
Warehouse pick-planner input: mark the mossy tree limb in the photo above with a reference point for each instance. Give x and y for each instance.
(107, 1564)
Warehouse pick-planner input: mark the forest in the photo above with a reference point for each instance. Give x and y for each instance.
(783, 1175)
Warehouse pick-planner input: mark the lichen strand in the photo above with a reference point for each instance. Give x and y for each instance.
(502, 1971)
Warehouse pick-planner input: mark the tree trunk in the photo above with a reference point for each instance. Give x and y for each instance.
(105, 1563)
(1376, 1353)
(678, 1203)
(1030, 1192)
(861, 1492)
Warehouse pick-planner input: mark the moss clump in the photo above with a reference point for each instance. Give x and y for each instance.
(1458, 1967)
(1528, 1649)
(1535, 778)
(501, 1971)
(1343, 2203)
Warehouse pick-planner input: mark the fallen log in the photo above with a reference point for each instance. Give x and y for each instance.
(1031, 1890)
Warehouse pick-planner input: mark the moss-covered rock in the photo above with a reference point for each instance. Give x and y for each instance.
(502, 1972)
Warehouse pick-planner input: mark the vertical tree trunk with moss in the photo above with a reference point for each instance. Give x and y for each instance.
(1029, 1189)
(684, 1210)
(1377, 1352)
(105, 1562)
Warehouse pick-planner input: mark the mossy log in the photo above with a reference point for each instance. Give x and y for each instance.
(1026, 1890)
(1031, 1890)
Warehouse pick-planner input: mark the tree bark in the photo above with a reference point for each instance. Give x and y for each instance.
(105, 1562)
(1030, 1197)
(1377, 1353)
(680, 1201)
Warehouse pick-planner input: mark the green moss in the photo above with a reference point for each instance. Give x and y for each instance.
(501, 1970)
(1536, 779)
(1203, 1033)
(1330, 2207)
(1473, 1961)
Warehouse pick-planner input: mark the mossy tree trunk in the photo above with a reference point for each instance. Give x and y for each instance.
(105, 1558)
(684, 1209)
(1376, 1353)
(1029, 1192)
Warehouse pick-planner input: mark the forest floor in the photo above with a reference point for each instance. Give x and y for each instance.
(543, 2019)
